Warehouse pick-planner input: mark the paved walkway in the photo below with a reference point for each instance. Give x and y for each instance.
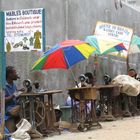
(125, 129)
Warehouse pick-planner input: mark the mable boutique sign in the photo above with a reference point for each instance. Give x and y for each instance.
(24, 30)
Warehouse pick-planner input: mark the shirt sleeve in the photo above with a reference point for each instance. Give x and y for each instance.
(6, 92)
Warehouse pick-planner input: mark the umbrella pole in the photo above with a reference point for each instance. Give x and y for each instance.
(74, 77)
(127, 59)
(71, 72)
(127, 63)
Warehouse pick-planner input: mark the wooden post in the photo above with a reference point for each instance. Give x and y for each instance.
(2, 74)
(127, 59)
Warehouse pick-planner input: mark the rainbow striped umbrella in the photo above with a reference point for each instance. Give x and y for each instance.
(64, 55)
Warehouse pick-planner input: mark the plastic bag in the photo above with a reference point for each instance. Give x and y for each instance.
(21, 133)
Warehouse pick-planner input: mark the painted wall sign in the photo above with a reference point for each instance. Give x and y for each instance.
(114, 33)
(24, 30)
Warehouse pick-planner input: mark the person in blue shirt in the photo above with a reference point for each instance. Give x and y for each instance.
(6, 131)
(12, 109)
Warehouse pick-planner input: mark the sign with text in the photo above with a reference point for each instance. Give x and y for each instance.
(24, 30)
(114, 33)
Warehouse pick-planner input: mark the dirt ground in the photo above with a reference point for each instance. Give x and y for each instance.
(122, 129)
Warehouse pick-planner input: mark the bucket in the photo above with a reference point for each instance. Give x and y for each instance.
(66, 113)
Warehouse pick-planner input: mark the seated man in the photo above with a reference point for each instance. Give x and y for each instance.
(132, 73)
(134, 101)
(6, 131)
(127, 100)
(11, 107)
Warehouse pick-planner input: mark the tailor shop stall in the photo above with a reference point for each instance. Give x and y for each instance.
(25, 32)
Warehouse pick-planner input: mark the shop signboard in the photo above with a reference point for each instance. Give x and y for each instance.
(25, 30)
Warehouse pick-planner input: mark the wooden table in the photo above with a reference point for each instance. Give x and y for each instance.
(128, 105)
(51, 113)
(81, 113)
(32, 98)
(89, 94)
(107, 94)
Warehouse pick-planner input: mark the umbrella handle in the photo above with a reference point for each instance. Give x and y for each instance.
(76, 83)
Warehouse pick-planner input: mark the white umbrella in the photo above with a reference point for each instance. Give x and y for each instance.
(135, 45)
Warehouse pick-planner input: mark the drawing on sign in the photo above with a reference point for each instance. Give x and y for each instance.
(8, 47)
(37, 36)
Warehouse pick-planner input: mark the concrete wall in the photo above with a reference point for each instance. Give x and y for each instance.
(72, 19)
(55, 32)
(82, 22)
(55, 15)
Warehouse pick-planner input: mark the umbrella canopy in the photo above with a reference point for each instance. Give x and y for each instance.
(134, 48)
(117, 48)
(135, 45)
(104, 45)
(64, 55)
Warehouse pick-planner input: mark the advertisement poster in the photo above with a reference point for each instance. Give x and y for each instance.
(114, 33)
(24, 30)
